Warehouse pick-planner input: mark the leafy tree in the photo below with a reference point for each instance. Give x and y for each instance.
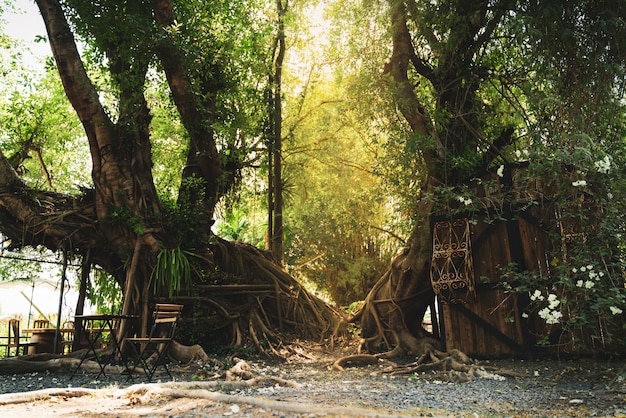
(211, 57)
(335, 210)
(474, 83)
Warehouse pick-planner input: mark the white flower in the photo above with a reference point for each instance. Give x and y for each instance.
(518, 153)
(574, 270)
(604, 165)
(589, 266)
(554, 304)
(544, 313)
(580, 283)
(579, 183)
(583, 269)
(609, 195)
(465, 200)
(554, 317)
(551, 317)
(536, 295)
(589, 284)
(524, 315)
(500, 171)
(615, 310)
(601, 274)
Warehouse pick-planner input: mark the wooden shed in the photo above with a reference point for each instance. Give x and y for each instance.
(476, 313)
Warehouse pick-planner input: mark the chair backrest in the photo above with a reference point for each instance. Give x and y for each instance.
(14, 331)
(168, 308)
(41, 323)
(165, 318)
(67, 330)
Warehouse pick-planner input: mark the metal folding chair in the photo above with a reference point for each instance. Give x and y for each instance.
(151, 352)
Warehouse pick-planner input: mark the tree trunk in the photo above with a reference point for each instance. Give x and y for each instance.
(395, 307)
(275, 225)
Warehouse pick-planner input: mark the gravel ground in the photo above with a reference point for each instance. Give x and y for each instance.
(579, 388)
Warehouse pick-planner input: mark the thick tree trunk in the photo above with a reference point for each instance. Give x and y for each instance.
(123, 184)
(120, 222)
(395, 307)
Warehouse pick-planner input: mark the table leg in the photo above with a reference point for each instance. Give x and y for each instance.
(95, 334)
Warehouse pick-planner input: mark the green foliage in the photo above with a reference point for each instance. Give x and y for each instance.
(16, 265)
(103, 292)
(234, 226)
(121, 216)
(40, 133)
(172, 272)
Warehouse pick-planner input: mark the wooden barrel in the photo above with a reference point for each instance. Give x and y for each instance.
(44, 340)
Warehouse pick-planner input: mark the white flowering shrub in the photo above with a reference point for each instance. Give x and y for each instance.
(583, 295)
(579, 296)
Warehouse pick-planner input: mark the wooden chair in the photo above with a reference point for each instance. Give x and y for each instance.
(151, 352)
(4, 338)
(41, 323)
(67, 337)
(16, 340)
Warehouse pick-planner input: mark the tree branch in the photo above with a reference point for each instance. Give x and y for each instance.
(31, 217)
(403, 91)
(78, 87)
(494, 150)
(203, 159)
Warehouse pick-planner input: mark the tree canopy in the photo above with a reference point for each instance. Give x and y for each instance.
(365, 128)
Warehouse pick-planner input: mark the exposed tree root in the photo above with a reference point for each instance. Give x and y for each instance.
(454, 363)
(257, 303)
(391, 326)
(356, 360)
(30, 364)
(144, 395)
(32, 396)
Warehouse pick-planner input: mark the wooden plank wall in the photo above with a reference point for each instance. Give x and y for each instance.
(491, 323)
(484, 325)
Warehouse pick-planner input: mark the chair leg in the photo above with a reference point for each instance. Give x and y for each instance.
(143, 355)
(161, 354)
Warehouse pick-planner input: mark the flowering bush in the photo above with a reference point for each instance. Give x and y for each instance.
(578, 294)
(582, 295)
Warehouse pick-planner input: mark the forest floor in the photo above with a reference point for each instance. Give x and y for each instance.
(307, 387)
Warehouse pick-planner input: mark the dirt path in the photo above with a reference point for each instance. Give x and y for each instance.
(305, 389)
(123, 403)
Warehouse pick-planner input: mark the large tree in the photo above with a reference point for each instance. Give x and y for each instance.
(475, 81)
(122, 223)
